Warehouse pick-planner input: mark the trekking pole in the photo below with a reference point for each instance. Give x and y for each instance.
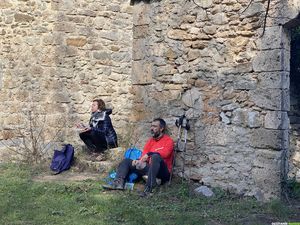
(175, 150)
(186, 126)
(181, 122)
(184, 153)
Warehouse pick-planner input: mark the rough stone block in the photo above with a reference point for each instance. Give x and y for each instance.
(165, 70)
(19, 18)
(219, 19)
(266, 172)
(230, 107)
(142, 72)
(200, 44)
(276, 120)
(270, 60)
(269, 139)
(204, 3)
(224, 118)
(5, 4)
(77, 42)
(121, 57)
(109, 35)
(62, 5)
(192, 98)
(139, 49)
(103, 57)
(276, 79)
(238, 69)
(177, 34)
(223, 135)
(296, 158)
(61, 97)
(254, 9)
(66, 27)
(270, 99)
(245, 117)
(141, 31)
(210, 29)
(193, 54)
(272, 39)
(253, 119)
(172, 53)
(116, 154)
(245, 84)
(141, 15)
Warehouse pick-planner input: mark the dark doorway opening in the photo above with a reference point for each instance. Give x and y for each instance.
(294, 114)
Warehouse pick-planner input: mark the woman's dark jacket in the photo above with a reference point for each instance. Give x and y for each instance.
(101, 122)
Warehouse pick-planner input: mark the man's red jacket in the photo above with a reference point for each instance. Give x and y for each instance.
(164, 147)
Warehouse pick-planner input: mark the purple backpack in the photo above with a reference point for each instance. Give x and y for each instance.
(62, 160)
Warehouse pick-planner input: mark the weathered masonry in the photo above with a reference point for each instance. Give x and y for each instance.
(205, 58)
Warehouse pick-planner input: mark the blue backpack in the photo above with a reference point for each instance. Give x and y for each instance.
(62, 160)
(131, 153)
(134, 154)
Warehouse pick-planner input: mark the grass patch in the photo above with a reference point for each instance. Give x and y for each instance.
(294, 188)
(23, 201)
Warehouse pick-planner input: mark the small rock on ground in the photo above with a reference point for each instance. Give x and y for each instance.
(205, 191)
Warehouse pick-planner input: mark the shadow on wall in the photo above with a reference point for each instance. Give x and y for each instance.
(294, 113)
(133, 2)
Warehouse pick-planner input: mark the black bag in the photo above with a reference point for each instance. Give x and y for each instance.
(62, 160)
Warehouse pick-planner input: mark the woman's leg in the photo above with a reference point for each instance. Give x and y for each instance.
(88, 141)
(95, 141)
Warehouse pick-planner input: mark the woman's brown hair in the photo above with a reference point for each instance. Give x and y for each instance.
(101, 104)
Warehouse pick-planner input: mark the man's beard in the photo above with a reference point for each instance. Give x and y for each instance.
(155, 134)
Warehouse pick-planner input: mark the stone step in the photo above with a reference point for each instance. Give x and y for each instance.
(101, 167)
(110, 160)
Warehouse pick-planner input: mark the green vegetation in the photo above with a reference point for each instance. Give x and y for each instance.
(294, 189)
(24, 201)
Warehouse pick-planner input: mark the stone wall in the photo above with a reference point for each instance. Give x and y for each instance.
(205, 59)
(56, 56)
(211, 62)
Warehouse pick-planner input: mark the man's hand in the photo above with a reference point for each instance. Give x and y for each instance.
(135, 162)
(144, 158)
(139, 164)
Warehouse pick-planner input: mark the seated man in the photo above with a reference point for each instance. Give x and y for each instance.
(100, 134)
(155, 162)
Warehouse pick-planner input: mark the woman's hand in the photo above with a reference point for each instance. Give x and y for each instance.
(85, 129)
(82, 128)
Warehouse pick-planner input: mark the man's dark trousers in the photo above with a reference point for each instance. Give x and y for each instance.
(156, 169)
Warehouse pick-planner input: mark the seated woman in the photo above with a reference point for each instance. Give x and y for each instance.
(100, 134)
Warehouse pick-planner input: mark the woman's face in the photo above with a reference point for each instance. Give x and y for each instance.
(94, 107)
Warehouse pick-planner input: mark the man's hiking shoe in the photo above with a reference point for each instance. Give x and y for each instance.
(146, 193)
(117, 184)
(158, 181)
